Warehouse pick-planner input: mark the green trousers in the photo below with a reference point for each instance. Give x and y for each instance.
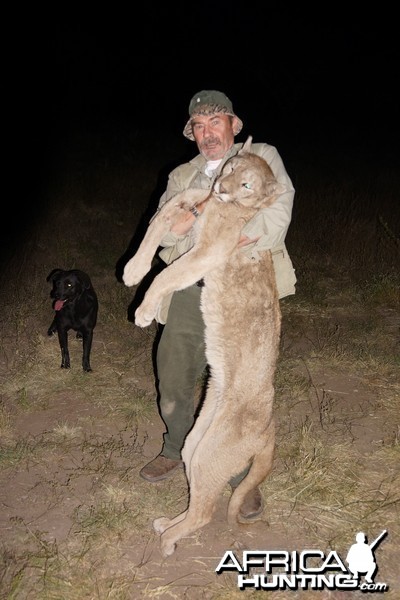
(181, 361)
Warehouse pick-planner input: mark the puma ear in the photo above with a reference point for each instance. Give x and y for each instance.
(276, 189)
(246, 146)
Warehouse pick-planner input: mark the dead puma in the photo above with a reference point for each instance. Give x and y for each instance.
(242, 318)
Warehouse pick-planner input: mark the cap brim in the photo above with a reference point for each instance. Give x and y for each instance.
(188, 132)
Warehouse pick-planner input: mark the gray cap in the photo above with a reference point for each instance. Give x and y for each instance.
(209, 102)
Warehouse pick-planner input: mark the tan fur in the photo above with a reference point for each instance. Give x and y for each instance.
(241, 312)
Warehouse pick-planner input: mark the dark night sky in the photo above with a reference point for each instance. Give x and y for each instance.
(298, 78)
(289, 72)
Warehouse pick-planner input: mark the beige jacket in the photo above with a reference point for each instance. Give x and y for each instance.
(269, 224)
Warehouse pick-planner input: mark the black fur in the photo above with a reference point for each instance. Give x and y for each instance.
(76, 306)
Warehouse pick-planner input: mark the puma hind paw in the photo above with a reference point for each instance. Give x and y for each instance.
(161, 524)
(167, 547)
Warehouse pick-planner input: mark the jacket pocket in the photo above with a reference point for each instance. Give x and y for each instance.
(284, 271)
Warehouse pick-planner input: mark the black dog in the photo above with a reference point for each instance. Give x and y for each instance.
(76, 306)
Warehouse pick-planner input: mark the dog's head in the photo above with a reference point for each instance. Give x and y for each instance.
(67, 286)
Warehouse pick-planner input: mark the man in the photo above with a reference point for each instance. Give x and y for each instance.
(360, 558)
(181, 359)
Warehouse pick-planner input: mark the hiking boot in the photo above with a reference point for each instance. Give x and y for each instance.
(252, 506)
(160, 468)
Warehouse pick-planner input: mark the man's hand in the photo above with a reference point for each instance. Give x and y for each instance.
(185, 223)
(245, 241)
(187, 220)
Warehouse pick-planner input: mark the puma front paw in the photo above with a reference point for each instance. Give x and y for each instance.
(144, 315)
(134, 272)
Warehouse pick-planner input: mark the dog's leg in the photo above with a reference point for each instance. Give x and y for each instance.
(63, 339)
(87, 346)
(53, 328)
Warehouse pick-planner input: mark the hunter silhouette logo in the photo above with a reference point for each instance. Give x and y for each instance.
(360, 557)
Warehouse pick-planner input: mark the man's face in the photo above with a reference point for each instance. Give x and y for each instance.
(213, 134)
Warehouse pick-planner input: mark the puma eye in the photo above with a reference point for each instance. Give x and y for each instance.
(247, 186)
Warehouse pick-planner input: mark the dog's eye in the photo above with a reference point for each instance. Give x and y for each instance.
(69, 284)
(247, 186)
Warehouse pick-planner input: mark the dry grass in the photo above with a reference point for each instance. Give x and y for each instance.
(73, 443)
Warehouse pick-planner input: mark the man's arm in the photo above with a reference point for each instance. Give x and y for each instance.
(179, 240)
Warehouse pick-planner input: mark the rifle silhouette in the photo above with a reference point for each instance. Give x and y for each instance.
(378, 539)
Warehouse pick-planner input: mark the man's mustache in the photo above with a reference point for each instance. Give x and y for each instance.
(210, 142)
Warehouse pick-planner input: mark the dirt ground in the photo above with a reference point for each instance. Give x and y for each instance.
(75, 446)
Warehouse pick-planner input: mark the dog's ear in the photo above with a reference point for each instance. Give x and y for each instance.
(53, 273)
(84, 279)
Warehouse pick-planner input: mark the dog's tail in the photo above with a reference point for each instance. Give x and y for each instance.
(259, 470)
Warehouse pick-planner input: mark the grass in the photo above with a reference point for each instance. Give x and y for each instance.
(72, 443)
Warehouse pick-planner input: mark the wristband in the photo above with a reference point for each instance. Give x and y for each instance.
(195, 211)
